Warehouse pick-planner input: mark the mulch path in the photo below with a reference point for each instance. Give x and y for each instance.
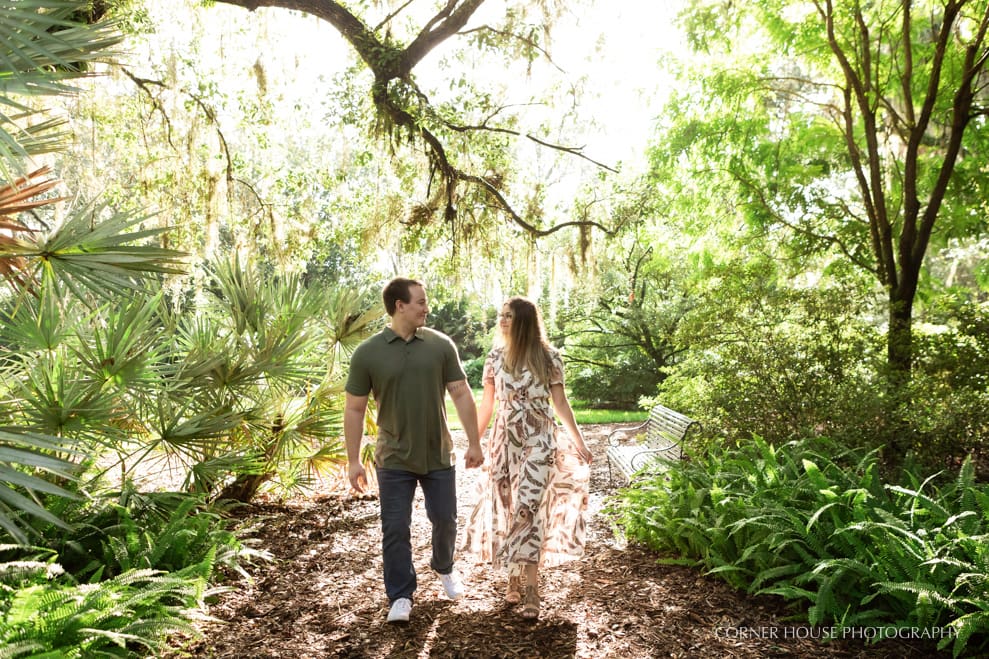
(323, 597)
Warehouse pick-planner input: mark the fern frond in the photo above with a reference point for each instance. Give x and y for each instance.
(789, 592)
(775, 574)
(922, 591)
(20, 649)
(965, 627)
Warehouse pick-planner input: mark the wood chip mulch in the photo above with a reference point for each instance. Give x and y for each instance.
(323, 597)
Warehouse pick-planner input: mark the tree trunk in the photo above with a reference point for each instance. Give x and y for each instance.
(244, 488)
(899, 338)
(899, 359)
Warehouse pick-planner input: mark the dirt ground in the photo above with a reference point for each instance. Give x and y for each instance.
(323, 597)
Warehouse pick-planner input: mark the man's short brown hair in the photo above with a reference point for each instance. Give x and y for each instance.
(398, 289)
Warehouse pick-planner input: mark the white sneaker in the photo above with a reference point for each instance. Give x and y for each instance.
(453, 586)
(400, 610)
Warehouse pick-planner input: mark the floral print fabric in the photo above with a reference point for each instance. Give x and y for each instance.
(532, 495)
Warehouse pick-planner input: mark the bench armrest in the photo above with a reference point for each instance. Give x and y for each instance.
(620, 433)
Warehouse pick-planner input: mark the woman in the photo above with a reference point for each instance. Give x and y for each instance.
(529, 512)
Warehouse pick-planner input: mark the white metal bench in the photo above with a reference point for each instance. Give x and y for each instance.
(661, 435)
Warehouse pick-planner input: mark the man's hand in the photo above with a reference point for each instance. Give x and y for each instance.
(474, 457)
(353, 431)
(357, 475)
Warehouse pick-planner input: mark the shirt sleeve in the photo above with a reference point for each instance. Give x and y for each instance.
(358, 377)
(453, 369)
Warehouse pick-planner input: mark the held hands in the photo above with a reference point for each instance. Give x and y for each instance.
(474, 457)
(358, 477)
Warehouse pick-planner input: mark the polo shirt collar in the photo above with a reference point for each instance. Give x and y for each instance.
(391, 336)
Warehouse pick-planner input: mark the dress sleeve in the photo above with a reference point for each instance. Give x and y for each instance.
(555, 368)
(487, 377)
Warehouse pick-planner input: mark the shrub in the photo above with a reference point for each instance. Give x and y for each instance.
(468, 327)
(620, 384)
(162, 531)
(791, 363)
(475, 371)
(43, 613)
(813, 523)
(949, 394)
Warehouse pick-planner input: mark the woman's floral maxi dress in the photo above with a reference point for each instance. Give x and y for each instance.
(532, 495)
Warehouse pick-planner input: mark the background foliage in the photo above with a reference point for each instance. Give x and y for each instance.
(814, 522)
(180, 303)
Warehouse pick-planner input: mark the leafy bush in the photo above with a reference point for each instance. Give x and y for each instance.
(467, 326)
(813, 522)
(783, 363)
(475, 372)
(619, 385)
(148, 559)
(948, 397)
(787, 363)
(44, 613)
(162, 531)
(621, 336)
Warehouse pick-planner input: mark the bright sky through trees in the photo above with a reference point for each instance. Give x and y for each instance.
(616, 46)
(293, 107)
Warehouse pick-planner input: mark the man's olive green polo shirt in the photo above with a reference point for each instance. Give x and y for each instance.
(409, 383)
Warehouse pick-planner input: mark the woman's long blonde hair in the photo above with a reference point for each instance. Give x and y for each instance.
(526, 346)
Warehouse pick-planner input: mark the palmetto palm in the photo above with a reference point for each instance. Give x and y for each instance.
(41, 53)
(238, 390)
(94, 362)
(264, 353)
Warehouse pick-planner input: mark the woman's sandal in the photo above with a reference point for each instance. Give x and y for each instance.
(513, 595)
(530, 604)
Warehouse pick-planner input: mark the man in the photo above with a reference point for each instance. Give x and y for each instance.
(408, 367)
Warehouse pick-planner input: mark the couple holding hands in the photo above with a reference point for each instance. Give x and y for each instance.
(532, 494)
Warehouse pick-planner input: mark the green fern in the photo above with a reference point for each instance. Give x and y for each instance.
(814, 523)
(965, 627)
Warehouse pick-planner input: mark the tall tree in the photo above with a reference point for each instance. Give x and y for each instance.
(850, 126)
(404, 110)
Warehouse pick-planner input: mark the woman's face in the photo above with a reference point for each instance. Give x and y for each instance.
(505, 320)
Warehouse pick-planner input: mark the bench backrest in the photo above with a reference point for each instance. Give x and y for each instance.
(668, 424)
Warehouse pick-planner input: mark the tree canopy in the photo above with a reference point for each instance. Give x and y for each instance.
(853, 127)
(394, 46)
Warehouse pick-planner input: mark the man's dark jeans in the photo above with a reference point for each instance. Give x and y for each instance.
(396, 490)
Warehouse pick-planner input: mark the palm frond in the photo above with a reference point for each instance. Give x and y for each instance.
(23, 454)
(86, 254)
(41, 52)
(15, 198)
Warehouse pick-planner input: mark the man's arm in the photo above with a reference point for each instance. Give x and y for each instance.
(463, 400)
(353, 432)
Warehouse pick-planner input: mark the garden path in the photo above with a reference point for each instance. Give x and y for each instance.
(322, 597)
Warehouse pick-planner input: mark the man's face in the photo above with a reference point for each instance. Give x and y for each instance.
(415, 311)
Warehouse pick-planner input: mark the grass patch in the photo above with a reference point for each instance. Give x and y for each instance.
(588, 415)
(584, 415)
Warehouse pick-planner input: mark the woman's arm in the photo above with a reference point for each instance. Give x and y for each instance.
(486, 408)
(565, 412)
